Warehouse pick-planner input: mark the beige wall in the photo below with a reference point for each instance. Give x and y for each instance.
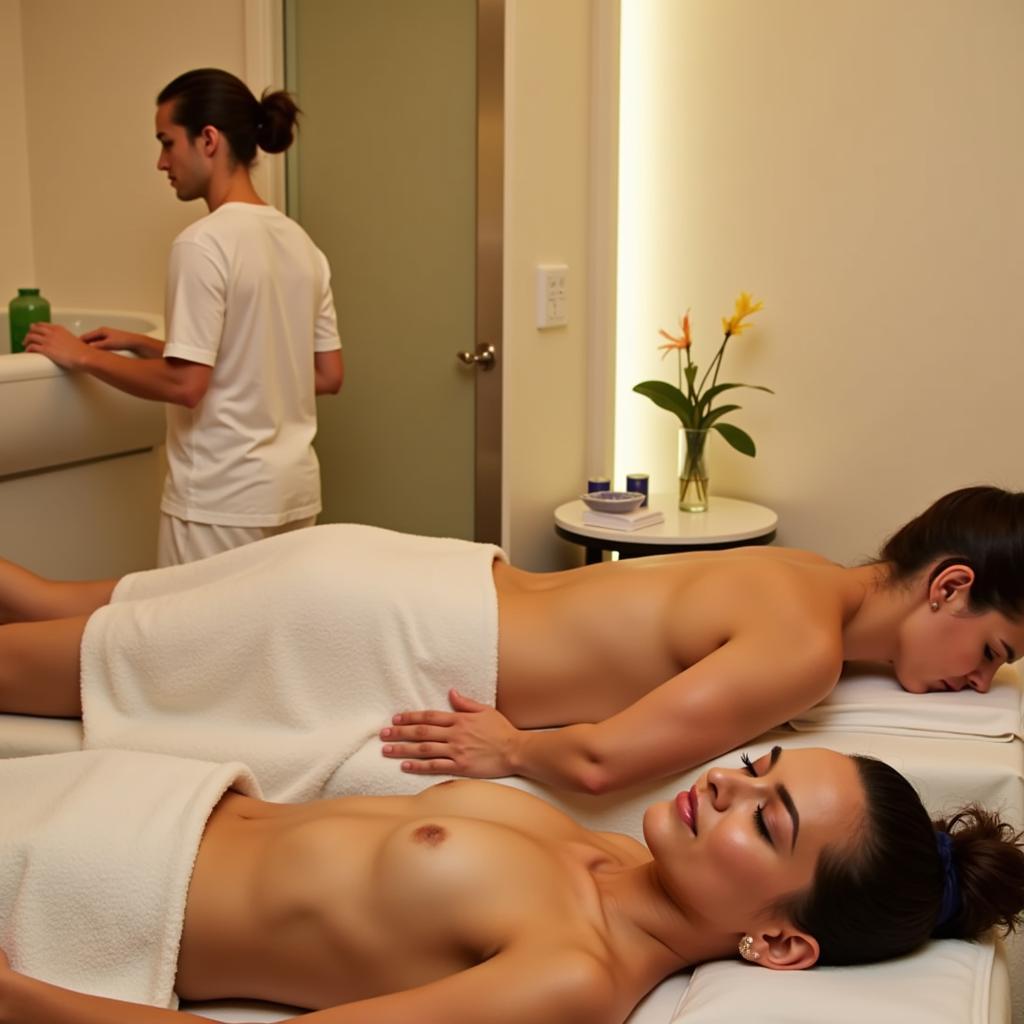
(102, 218)
(546, 195)
(853, 163)
(17, 268)
(857, 165)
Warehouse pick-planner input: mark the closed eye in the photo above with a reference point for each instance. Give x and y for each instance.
(748, 765)
(990, 655)
(762, 827)
(759, 822)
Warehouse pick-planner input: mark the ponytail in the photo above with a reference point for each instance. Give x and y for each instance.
(989, 869)
(209, 96)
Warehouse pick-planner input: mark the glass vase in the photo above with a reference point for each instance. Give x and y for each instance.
(693, 473)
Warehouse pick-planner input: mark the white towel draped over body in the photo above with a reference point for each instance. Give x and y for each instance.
(290, 654)
(96, 855)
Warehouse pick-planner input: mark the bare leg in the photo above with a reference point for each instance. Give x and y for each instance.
(40, 667)
(26, 597)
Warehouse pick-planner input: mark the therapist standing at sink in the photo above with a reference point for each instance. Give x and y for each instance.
(252, 335)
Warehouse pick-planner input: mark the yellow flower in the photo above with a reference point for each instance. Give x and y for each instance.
(745, 306)
(682, 342)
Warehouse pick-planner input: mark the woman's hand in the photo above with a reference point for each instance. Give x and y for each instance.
(474, 740)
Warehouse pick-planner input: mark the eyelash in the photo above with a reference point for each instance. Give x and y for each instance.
(989, 653)
(761, 826)
(759, 822)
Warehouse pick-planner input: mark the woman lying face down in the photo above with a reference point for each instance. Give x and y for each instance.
(281, 653)
(477, 902)
(655, 665)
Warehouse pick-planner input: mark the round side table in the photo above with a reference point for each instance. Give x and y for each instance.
(728, 523)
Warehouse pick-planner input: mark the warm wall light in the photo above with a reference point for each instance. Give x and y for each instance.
(644, 440)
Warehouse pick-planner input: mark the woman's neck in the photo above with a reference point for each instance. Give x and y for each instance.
(635, 900)
(874, 611)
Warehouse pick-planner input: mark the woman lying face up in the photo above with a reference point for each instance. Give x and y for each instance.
(505, 909)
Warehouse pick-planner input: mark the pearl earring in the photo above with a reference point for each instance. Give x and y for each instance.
(747, 950)
(935, 606)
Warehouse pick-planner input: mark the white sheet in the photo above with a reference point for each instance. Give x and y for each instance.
(948, 982)
(866, 700)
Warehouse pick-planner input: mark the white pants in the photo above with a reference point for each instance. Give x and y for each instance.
(180, 541)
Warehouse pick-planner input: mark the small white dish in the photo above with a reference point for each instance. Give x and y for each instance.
(612, 501)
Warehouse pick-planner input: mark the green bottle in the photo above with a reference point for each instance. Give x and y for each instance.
(28, 308)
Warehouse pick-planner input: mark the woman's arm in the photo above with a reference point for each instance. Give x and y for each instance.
(737, 692)
(25, 1000)
(541, 986)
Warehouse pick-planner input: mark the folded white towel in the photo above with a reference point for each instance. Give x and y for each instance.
(96, 855)
(635, 520)
(868, 700)
(290, 654)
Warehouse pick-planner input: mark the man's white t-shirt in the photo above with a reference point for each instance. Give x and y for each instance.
(249, 294)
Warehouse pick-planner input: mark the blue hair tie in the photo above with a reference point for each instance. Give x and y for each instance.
(951, 882)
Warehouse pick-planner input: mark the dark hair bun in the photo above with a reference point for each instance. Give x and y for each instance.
(989, 863)
(279, 118)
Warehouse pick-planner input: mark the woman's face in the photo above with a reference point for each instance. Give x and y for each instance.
(949, 647)
(743, 838)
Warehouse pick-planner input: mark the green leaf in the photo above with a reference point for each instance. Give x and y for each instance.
(739, 439)
(669, 397)
(691, 373)
(712, 393)
(716, 414)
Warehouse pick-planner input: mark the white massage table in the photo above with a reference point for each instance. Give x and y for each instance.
(954, 747)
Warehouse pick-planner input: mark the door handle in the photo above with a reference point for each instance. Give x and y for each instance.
(483, 358)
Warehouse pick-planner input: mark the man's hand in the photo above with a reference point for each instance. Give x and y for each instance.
(124, 341)
(474, 740)
(56, 343)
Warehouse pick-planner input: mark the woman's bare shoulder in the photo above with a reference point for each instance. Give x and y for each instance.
(792, 603)
(794, 556)
(787, 572)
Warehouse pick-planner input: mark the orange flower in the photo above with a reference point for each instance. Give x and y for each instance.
(682, 342)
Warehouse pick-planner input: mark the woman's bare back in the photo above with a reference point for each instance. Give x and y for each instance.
(580, 646)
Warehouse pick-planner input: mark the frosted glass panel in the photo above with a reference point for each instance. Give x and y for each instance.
(384, 179)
